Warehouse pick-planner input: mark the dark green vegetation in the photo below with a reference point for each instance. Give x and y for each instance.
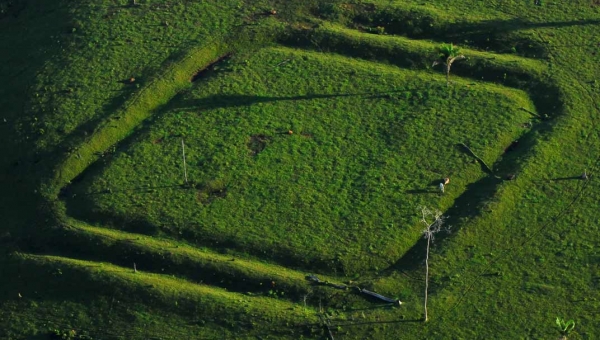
(313, 135)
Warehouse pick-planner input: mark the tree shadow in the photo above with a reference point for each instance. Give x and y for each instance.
(566, 178)
(422, 191)
(65, 192)
(473, 200)
(240, 100)
(484, 167)
(544, 93)
(499, 35)
(377, 322)
(515, 24)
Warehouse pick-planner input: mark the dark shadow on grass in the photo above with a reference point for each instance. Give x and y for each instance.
(57, 282)
(72, 242)
(230, 101)
(545, 93)
(421, 191)
(484, 167)
(376, 322)
(466, 206)
(110, 112)
(492, 34)
(566, 178)
(500, 35)
(474, 199)
(138, 189)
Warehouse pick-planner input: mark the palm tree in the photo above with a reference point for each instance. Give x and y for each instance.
(565, 327)
(448, 54)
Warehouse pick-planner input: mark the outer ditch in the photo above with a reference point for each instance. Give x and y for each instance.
(497, 35)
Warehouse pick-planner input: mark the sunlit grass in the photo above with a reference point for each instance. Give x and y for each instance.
(368, 144)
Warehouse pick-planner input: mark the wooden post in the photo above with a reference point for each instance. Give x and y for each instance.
(427, 274)
(184, 165)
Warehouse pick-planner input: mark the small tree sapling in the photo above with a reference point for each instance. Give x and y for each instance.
(565, 327)
(447, 55)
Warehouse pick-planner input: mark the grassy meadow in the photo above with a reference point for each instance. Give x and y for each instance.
(314, 133)
(368, 146)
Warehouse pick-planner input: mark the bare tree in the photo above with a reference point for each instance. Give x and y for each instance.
(433, 221)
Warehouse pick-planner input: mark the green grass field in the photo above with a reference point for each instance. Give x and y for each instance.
(342, 192)
(314, 133)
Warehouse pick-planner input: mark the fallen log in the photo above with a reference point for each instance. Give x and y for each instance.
(316, 280)
(379, 296)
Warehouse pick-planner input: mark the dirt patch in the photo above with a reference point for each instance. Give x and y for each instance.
(257, 143)
(210, 191)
